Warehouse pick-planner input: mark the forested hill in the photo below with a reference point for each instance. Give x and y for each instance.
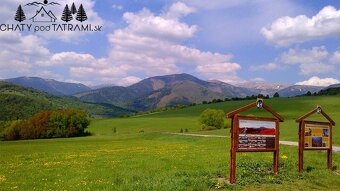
(331, 90)
(17, 102)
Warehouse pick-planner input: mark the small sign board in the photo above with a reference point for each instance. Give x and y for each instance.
(253, 134)
(256, 134)
(316, 136)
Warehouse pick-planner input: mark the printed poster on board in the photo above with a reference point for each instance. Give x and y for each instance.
(316, 136)
(255, 134)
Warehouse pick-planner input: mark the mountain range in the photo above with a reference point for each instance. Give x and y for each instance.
(295, 90)
(49, 86)
(161, 91)
(264, 88)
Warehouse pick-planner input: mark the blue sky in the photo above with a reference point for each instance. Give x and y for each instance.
(235, 41)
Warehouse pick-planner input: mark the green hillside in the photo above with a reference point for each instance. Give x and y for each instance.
(330, 91)
(174, 120)
(136, 153)
(17, 102)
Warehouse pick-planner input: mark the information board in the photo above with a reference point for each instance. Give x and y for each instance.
(255, 134)
(316, 136)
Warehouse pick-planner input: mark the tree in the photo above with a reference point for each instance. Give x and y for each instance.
(308, 93)
(20, 15)
(73, 9)
(260, 96)
(67, 16)
(81, 15)
(212, 119)
(276, 94)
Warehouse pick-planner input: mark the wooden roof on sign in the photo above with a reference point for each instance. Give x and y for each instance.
(313, 112)
(252, 105)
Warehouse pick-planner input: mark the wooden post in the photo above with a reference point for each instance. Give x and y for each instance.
(234, 128)
(277, 148)
(231, 168)
(301, 146)
(329, 151)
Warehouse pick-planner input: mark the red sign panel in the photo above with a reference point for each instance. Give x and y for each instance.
(256, 134)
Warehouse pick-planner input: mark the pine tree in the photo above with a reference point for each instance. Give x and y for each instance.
(73, 9)
(67, 16)
(81, 15)
(20, 15)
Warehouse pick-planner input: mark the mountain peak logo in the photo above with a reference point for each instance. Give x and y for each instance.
(43, 16)
(43, 12)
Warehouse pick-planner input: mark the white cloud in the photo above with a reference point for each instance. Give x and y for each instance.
(215, 4)
(316, 81)
(149, 45)
(264, 67)
(258, 79)
(178, 10)
(73, 59)
(305, 56)
(216, 68)
(128, 81)
(286, 31)
(316, 68)
(146, 24)
(311, 61)
(226, 23)
(21, 54)
(335, 59)
(118, 7)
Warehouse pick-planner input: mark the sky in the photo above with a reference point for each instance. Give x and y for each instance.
(234, 41)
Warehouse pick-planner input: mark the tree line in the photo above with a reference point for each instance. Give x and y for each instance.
(48, 124)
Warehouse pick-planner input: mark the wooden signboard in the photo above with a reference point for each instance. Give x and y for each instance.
(253, 134)
(315, 135)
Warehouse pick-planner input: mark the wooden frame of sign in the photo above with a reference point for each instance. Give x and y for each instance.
(253, 134)
(315, 135)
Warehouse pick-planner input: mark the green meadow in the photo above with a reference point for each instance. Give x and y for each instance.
(137, 153)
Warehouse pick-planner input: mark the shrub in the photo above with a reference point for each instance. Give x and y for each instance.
(208, 128)
(49, 124)
(212, 119)
(276, 94)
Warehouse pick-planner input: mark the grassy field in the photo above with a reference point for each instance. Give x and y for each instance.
(139, 156)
